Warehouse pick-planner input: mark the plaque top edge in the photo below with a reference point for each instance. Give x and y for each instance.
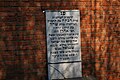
(62, 10)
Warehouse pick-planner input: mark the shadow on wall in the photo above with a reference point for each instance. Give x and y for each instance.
(17, 49)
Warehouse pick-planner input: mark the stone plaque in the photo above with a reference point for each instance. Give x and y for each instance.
(63, 43)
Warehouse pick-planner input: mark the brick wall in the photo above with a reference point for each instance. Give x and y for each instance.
(23, 40)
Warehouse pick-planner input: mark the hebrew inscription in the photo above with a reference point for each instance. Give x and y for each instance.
(63, 36)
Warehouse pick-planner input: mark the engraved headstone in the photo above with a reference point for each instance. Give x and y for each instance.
(63, 44)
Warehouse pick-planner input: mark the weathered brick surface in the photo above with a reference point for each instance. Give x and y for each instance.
(23, 40)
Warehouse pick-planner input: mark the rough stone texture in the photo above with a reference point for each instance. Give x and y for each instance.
(23, 41)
